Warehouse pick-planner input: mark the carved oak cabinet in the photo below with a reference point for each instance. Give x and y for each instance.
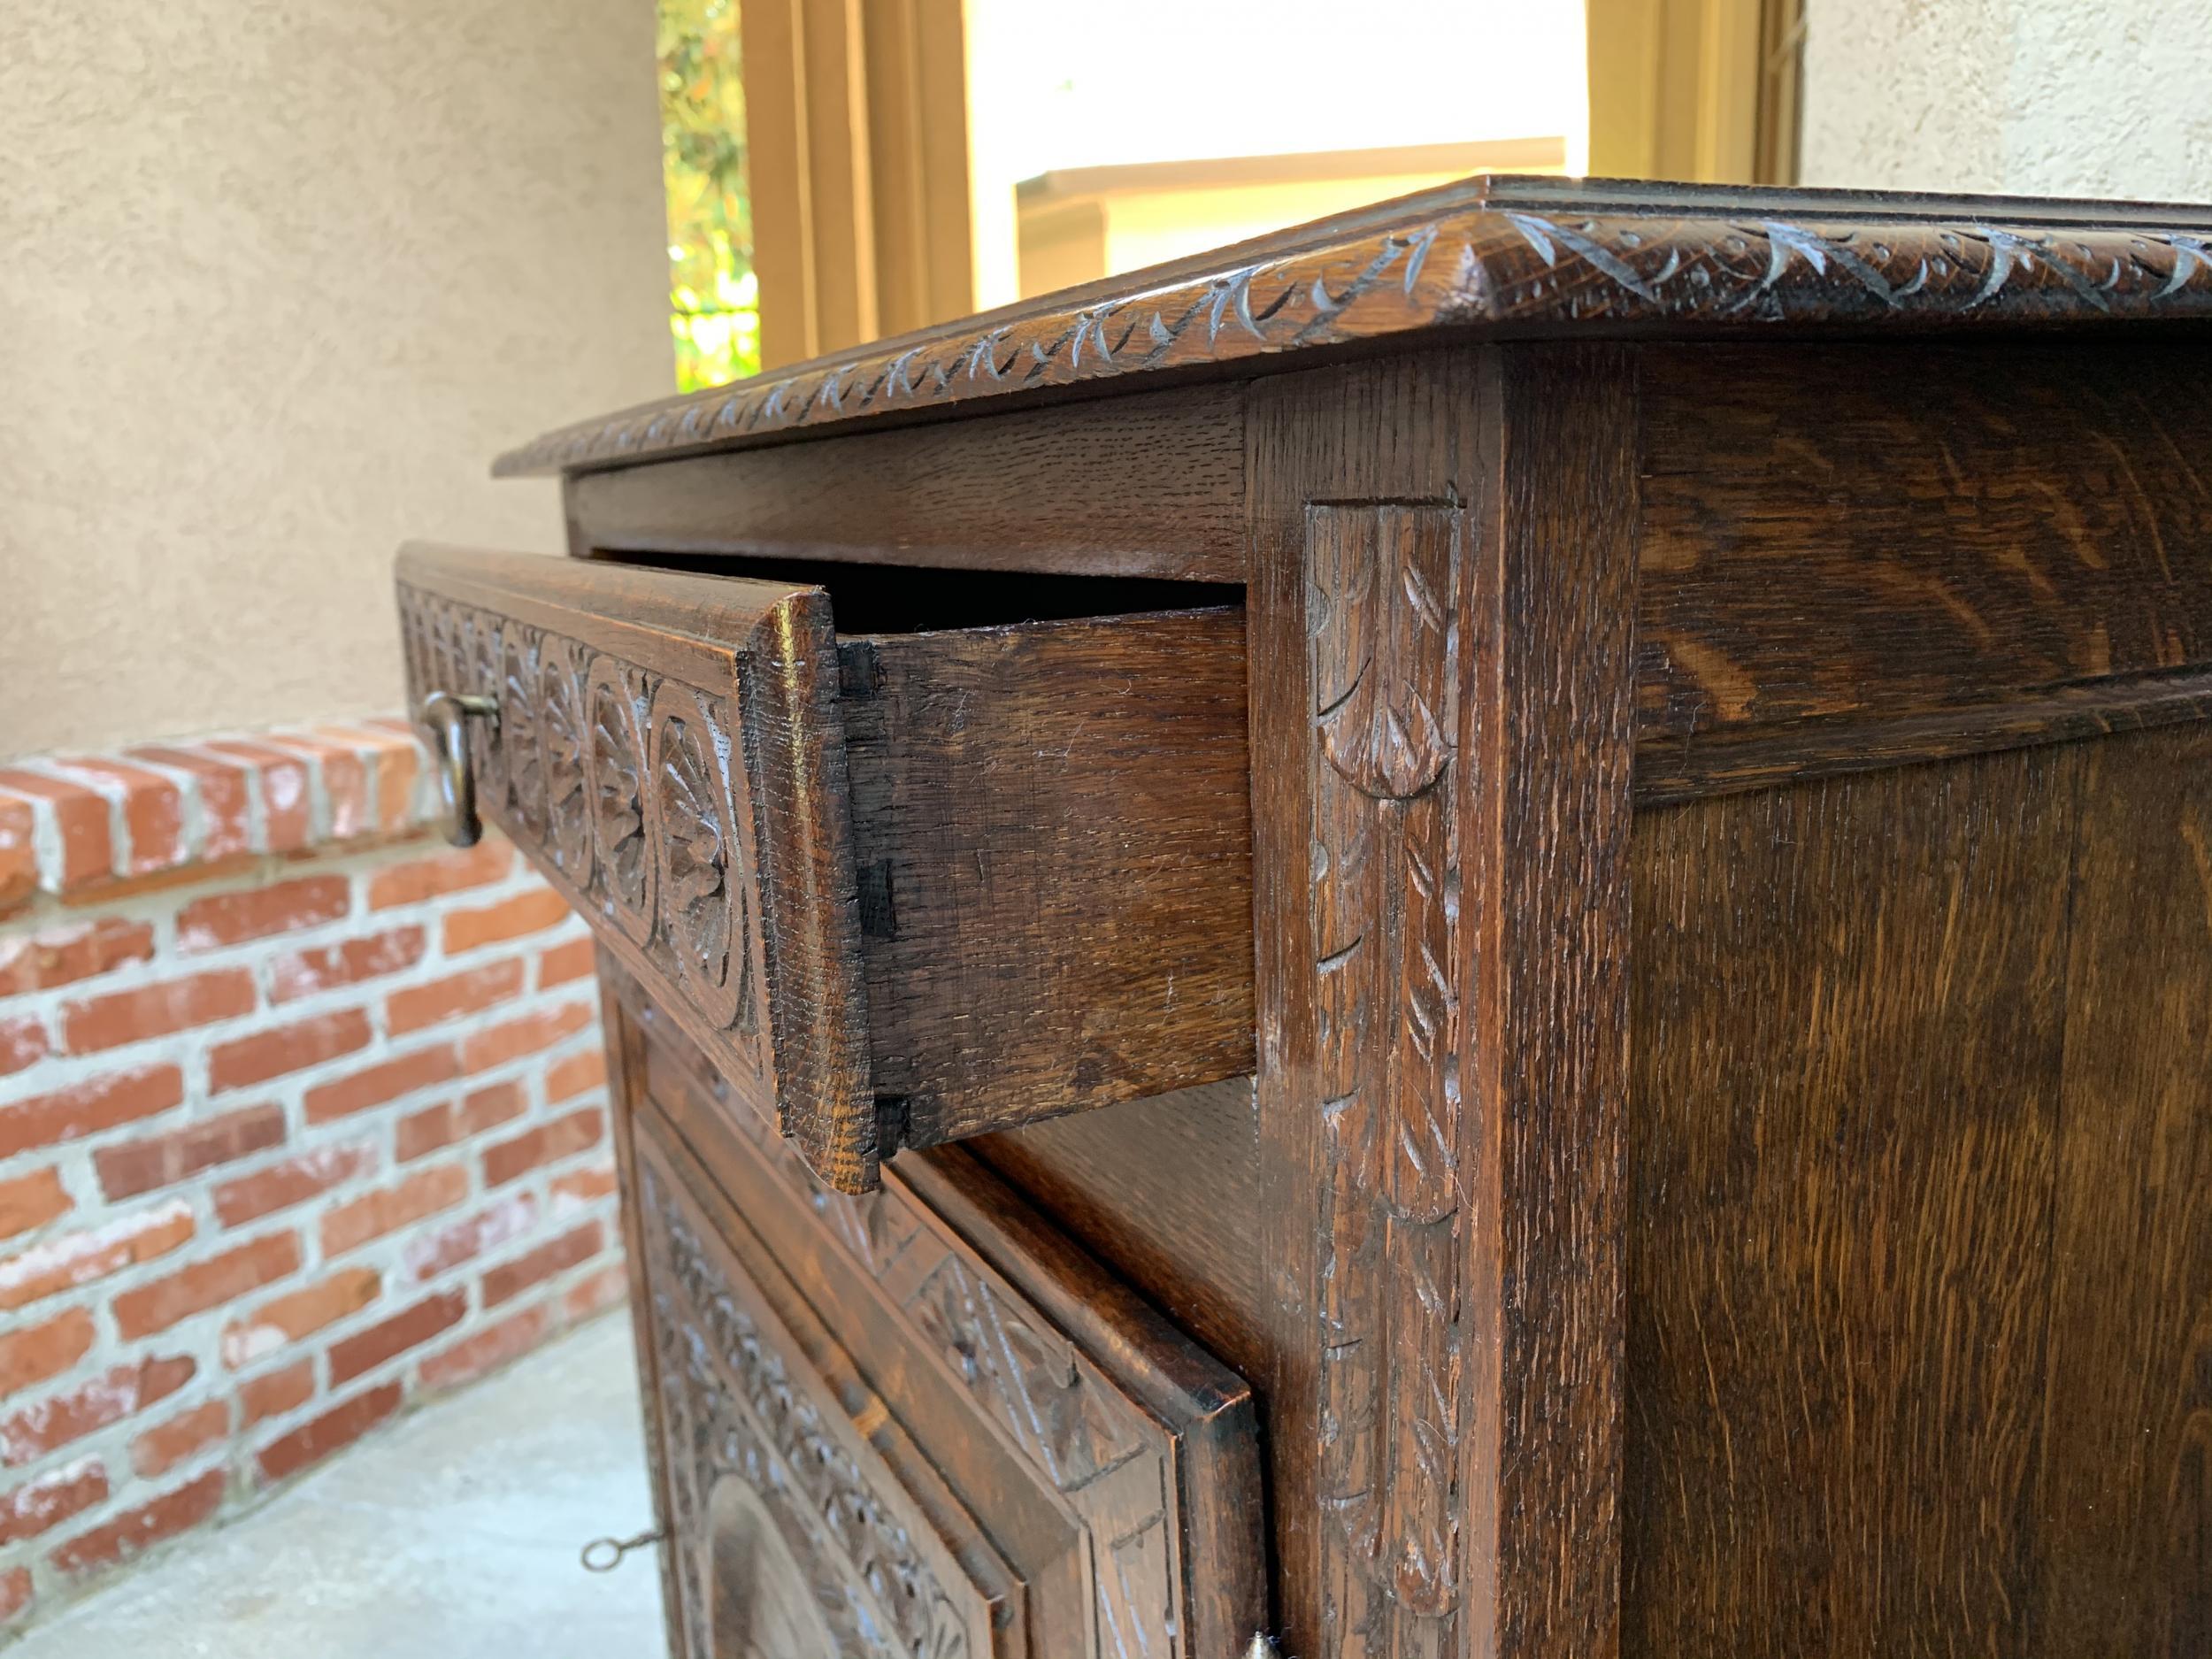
(1484, 931)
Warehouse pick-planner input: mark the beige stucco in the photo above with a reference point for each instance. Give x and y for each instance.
(277, 279)
(2058, 97)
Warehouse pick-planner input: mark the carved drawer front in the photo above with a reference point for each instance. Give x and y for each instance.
(902, 887)
(918, 1423)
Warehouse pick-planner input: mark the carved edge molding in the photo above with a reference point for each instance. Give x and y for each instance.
(1527, 265)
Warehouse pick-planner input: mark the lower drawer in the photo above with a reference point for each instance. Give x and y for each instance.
(918, 1422)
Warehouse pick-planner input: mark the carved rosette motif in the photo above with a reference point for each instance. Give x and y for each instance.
(1521, 260)
(593, 783)
(704, 877)
(745, 1412)
(562, 740)
(1383, 583)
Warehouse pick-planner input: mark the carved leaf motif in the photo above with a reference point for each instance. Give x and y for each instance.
(695, 881)
(519, 722)
(617, 802)
(732, 1399)
(563, 741)
(1388, 708)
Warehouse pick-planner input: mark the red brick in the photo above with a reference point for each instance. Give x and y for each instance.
(31, 1201)
(350, 1226)
(82, 816)
(473, 1357)
(510, 1280)
(282, 907)
(285, 806)
(225, 801)
(141, 1528)
(579, 1187)
(429, 1254)
(295, 1180)
(139, 1166)
(505, 1160)
(153, 811)
(158, 1450)
(261, 1398)
(39, 1506)
(423, 1133)
(345, 781)
(448, 998)
(566, 1078)
(91, 1407)
(558, 964)
(303, 1313)
(62, 956)
(15, 1592)
(155, 1011)
(30, 1355)
(23, 1043)
(412, 1327)
(528, 912)
(204, 1284)
(422, 879)
(595, 1293)
(527, 1034)
(246, 1061)
(395, 758)
(86, 1108)
(317, 1439)
(77, 1258)
(19, 864)
(386, 1080)
(105, 893)
(303, 973)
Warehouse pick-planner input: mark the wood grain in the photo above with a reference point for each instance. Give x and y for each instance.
(1850, 1002)
(1844, 534)
(1051, 823)
(1442, 563)
(2123, 1428)
(1150, 484)
(1494, 257)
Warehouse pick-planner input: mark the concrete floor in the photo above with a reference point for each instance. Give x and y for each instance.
(454, 1534)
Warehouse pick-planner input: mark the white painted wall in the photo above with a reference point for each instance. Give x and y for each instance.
(278, 278)
(2040, 98)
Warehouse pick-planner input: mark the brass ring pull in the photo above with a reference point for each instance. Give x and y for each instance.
(447, 714)
(604, 1555)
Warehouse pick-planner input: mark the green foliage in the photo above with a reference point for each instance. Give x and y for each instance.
(714, 298)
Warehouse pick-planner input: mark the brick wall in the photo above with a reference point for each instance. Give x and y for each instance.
(302, 1119)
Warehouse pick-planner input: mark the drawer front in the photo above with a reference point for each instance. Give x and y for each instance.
(918, 1422)
(668, 749)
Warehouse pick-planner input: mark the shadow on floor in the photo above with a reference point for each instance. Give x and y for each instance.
(451, 1537)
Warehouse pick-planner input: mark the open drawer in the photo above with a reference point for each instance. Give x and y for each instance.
(902, 887)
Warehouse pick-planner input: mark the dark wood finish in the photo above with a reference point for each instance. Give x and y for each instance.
(1923, 1159)
(1055, 865)
(669, 751)
(1443, 609)
(1150, 485)
(1727, 1165)
(1107, 1463)
(967, 879)
(1502, 257)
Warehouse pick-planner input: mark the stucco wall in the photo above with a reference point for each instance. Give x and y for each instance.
(2050, 97)
(277, 279)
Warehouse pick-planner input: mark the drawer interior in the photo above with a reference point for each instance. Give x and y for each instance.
(917, 855)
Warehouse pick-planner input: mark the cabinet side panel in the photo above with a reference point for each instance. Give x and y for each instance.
(1920, 1278)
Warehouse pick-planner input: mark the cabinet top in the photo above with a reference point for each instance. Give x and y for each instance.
(1487, 258)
